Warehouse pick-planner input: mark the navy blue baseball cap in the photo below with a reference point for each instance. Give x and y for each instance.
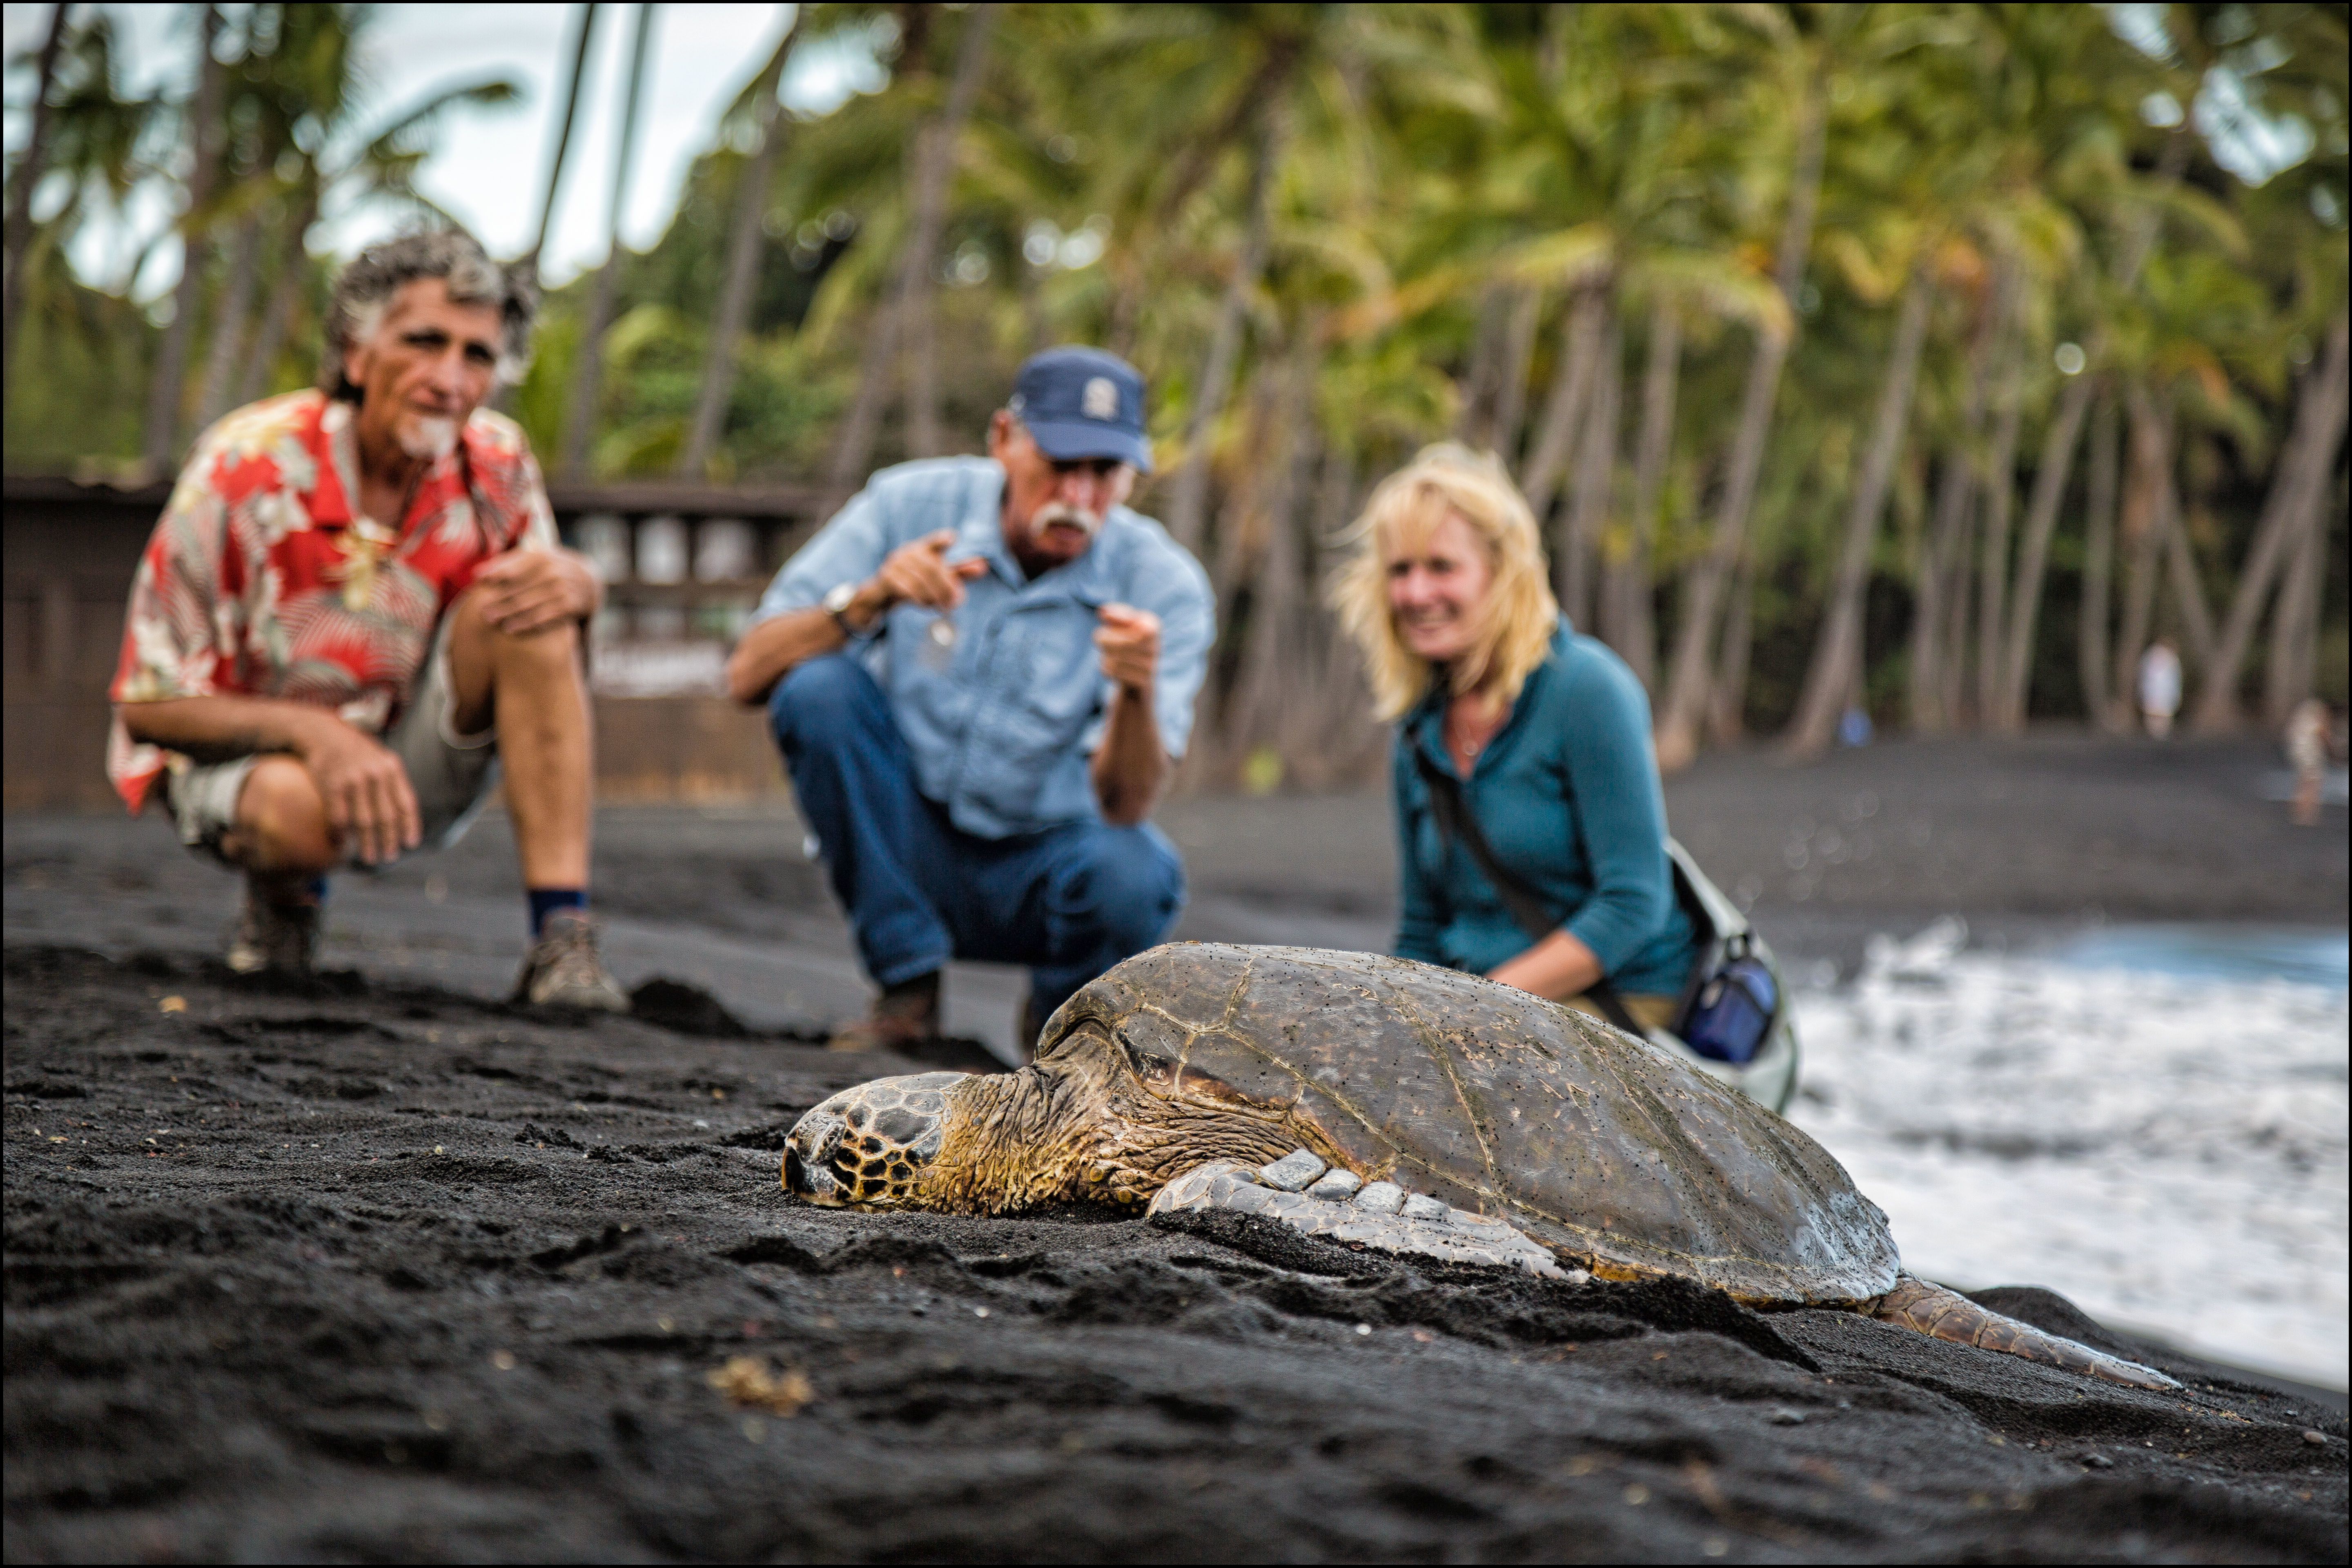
(1083, 403)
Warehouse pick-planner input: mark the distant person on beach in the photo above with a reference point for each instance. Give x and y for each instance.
(2159, 686)
(1542, 734)
(2306, 752)
(354, 608)
(979, 673)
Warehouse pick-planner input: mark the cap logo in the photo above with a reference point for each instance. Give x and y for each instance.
(1100, 399)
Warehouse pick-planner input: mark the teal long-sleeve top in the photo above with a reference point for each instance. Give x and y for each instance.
(1567, 795)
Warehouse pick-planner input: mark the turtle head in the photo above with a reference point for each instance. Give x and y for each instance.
(967, 1144)
(872, 1145)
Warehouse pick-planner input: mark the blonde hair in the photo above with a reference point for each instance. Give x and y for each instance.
(1515, 625)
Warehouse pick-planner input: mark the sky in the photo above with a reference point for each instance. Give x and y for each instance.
(489, 166)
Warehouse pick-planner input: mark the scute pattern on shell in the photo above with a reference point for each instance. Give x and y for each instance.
(1500, 1103)
(891, 1119)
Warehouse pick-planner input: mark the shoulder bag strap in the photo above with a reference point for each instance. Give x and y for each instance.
(1526, 906)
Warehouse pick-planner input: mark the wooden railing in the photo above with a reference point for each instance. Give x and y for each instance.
(684, 566)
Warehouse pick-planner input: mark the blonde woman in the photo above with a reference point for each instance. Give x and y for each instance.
(1520, 743)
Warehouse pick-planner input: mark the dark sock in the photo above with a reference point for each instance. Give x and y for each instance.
(545, 902)
(318, 889)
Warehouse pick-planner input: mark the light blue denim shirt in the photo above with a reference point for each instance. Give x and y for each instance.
(1003, 721)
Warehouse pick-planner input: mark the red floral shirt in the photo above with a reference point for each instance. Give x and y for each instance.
(261, 579)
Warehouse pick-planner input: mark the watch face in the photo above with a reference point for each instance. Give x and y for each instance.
(839, 599)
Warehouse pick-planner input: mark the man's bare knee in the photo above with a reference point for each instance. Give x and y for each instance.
(281, 822)
(556, 647)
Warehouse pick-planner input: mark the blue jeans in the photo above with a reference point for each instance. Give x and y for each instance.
(1069, 901)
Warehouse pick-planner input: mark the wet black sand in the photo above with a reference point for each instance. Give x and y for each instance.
(381, 1273)
(387, 1271)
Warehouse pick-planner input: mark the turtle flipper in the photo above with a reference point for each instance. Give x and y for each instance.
(1339, 1207)
(1945, 1314)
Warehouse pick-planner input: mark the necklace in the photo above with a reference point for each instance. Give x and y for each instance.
(1470, 736)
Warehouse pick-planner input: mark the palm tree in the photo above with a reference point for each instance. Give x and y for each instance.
(315, 147)
(587, 370)
(562, 138)
(2098, 559)
(1837, 655)
(903, 314)
(1689, 682)
(2009, 665)
(935, 158)
(203, 121)
(743, 240)
(1625, 620)
(27, 174)
(2297, 494)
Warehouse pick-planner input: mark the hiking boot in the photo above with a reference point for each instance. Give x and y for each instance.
(903, 1014)
(274, 937)
(564, 969)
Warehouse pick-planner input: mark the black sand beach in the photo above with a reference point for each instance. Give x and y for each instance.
(387, 1271)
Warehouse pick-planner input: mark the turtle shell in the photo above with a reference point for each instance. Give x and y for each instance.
(1612, 1152)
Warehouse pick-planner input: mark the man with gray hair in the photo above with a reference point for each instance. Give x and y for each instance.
(354, 608)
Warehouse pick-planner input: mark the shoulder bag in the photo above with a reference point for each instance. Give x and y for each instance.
(1734, 996)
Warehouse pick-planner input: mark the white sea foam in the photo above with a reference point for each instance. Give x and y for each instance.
(2168, 1152)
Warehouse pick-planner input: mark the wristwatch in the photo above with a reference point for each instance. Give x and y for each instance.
(837, 604)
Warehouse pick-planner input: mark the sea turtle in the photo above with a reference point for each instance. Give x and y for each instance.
(1314, 1088)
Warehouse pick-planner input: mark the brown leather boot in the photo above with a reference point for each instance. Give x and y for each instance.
(564, 971)
(904, 1013)
(279, 931)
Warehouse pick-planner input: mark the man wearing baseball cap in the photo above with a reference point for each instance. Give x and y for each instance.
(979, 673)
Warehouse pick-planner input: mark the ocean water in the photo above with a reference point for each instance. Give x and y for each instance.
(2151, 1120)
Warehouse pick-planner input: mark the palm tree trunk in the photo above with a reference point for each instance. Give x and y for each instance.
(1726, 709)
(588, 366)
(2098, 562)
(563, 140)
(1237, 533)
(2145, 516)
(744, 235)
(1473, 421)
(1268, 663)
(1952, 662)
(228, 324)
(1331, 714)
(1686, 692)
(285, 296)
(1837, 655)
(19, 223)
(918, 279)
(2181, 572)
(1635, 637)
(1571, 384)
(1596, 473)
(1992, 566)
(165, 393)
(2296, 486)
(1518, 352)
(2034, 555)
(1189, 492)
(2005, 682)
(2294, 626)
(1943, 553)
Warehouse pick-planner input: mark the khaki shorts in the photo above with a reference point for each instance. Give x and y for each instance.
(454, 775)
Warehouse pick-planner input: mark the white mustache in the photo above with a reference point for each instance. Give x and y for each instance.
(1052, 513)
(431, 439)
